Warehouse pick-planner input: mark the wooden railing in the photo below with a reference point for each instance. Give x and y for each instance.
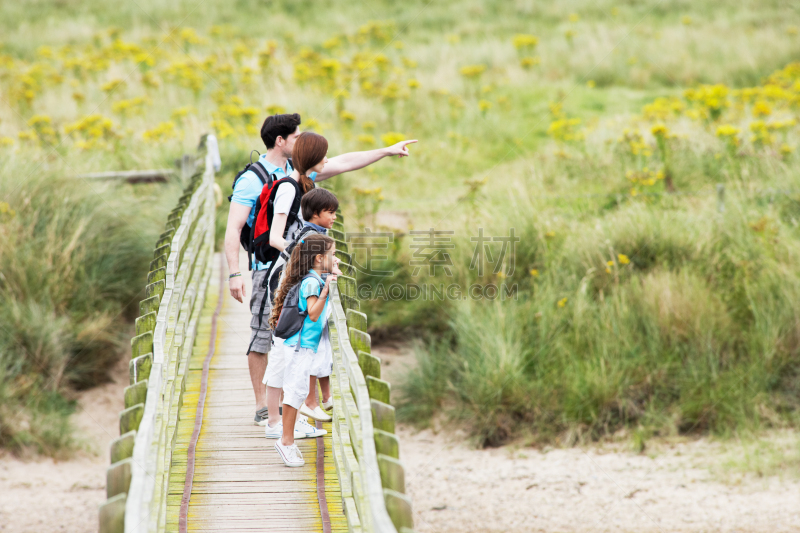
(137, 480)
(365, 449)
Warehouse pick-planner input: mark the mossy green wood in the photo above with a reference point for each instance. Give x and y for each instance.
(165, 238)
(149, 305)
(378, 389)
(370, 364)
(347, 285)
(349, 302)
(162, 250)
(393, 475)
(135, 393)
(359, 340)
(142, 344)
(356, 319)
(146, 323)
(139, 368)
(337, 224)
(118, 478)
(343, 256)
(387, 443)
(337, 235)
(398, 506)
(382, 416)
(341, 245)
(122, 447)
(157, 275)
(130, 418)
(158, 262)
(112, 515)
(347, 269)
(155, 289)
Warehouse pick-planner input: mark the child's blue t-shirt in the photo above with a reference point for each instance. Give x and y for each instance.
(312, 331)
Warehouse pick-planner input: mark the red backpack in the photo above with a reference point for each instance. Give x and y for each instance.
(261, 248)
(256, 239)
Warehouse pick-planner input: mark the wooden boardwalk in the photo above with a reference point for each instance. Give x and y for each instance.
(239, 482)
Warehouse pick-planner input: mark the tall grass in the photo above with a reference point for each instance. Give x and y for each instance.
(696, 328)
(74, 258)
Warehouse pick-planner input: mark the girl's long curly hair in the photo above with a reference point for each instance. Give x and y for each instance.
(300, 262)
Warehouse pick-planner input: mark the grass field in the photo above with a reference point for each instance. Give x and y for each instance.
(599, 131)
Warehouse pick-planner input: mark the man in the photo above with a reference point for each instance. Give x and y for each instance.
(278, 133)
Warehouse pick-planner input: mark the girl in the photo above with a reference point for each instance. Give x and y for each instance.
(313, 255)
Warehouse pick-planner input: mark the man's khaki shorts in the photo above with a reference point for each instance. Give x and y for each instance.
(260, 335)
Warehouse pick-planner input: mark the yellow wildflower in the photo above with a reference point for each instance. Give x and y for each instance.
(524, 41)
(623, 259)
(392, 138)
(562, 302)
(472, 71)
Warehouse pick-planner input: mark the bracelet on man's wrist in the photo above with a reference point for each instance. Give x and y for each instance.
(235, 275)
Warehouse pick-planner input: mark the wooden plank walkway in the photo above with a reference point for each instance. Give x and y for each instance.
(239, 482)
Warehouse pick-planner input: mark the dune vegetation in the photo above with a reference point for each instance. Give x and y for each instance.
(644, 154)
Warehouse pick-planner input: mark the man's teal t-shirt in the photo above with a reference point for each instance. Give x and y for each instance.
(312, 331)
(248, 189)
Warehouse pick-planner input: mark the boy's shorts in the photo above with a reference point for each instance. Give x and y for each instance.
(276, 364)
(295, 377)
(260, 336)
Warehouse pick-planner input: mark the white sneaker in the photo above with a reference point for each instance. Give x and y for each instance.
(273, 432)
(328, 405)
(290, 454)
(316, 413)
(308, 430)
(321, 415)
(277, 432)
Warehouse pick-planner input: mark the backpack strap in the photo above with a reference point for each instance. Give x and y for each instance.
(259, 170)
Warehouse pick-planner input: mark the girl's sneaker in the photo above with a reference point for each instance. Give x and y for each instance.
(290, 454)
(307, 430)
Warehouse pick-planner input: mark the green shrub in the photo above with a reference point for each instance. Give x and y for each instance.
(74, 258)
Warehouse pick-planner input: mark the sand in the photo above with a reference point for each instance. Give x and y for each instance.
(673, 487)
(42, 495)
(680, 485)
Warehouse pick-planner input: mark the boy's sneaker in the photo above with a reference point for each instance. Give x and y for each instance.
(274, 432)
(308, 430)
(316, 413)
(261, 417)
(277, 432)
(290, 454)
(321, 415)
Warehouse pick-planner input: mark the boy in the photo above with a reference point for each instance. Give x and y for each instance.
(319, 211)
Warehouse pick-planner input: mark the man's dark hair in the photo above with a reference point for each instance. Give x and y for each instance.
(316, 201)
(278, 126)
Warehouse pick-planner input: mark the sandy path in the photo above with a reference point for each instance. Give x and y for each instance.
(675, 487)
(456, 488)
(45, 495)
